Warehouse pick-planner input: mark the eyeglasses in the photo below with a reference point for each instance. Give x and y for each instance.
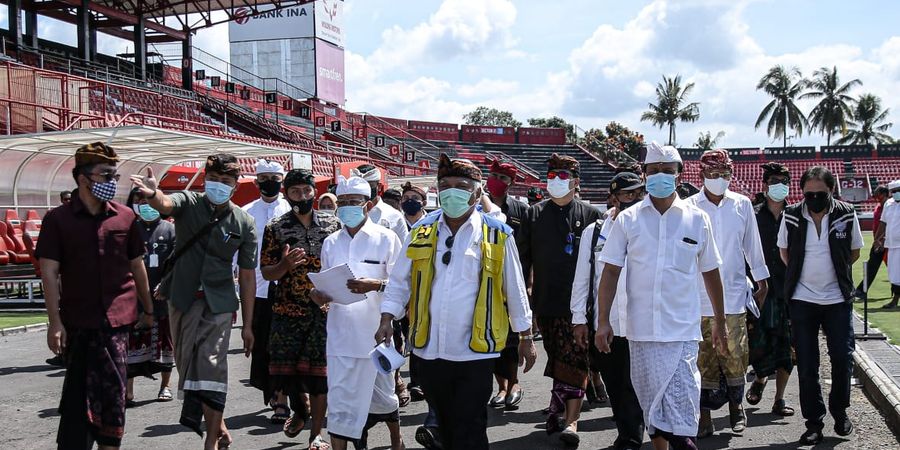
(713, 174)
(350, 203)
(561, 174)
(448, 254)
(108, 176)
(570, 240)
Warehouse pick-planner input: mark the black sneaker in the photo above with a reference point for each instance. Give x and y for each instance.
(843, 426)
(429, 438)
(56, 361)
(811, 437)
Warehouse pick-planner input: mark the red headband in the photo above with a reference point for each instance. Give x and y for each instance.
(504, 169)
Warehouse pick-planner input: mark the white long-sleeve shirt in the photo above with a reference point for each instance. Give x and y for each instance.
(737, 238)
(263, 213)
(388, 217)
(578, 304)
(454, 290)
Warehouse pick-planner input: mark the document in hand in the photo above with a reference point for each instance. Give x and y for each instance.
(334, 283)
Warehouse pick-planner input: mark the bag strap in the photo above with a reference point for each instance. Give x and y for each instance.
(591, 294)
(170, 262)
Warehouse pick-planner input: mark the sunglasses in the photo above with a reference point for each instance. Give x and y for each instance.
(107, 176)
(561, 174)
(448, 254)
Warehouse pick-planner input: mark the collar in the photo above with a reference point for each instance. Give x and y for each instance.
(729, 195)
(368, 229)
(78, 207)
(474, 221)
(647, 203)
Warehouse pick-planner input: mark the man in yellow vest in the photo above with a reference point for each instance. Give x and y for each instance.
(462, 281)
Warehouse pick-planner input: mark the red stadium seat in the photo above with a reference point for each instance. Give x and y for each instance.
(32, 215)
(30, 244)
(15, 255)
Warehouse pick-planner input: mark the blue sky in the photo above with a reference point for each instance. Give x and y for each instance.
(592, 61)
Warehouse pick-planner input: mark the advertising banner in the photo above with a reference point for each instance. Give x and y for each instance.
(329, 72)
(286, 23)
(329, 18)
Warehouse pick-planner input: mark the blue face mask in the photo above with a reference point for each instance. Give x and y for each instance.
(351, 216)
(661, 185)
(147, 213)
(455, 202)
(778, 192)
(896, 196)
(218, 193)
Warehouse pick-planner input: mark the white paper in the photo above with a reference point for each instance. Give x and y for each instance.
(334, 283)
(386, 354)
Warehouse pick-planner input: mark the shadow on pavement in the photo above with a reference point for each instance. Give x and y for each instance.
(28, 369)
(165, 430)
(49, 412)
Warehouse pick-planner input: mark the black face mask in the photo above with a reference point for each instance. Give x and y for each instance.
(270, 188)
(374, 192)
(303, 207)
(623, 205)
(817, 201)
(411, 207)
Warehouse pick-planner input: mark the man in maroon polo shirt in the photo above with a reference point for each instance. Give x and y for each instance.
(92, 247)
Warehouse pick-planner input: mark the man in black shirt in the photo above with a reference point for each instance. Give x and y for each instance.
(548, 246)
(501, 177)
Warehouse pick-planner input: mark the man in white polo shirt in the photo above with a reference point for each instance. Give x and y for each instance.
(887, 236)
(820, 240)
(737, 238)
(666, 243)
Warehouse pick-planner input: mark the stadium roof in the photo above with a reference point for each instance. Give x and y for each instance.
(41, 163)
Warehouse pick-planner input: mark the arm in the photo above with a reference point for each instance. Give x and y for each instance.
(517, 304)
(709, 261)
(143, 290)
(523, 242)
(580, 288)
(247, 282)
(782, 242)
(396, 296)
(56, 333)
(783, 253)
(275, 261)
(753, 254)
(613, 256)
(857, 240)
(149, 189)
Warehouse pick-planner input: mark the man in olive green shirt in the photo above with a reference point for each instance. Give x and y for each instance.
(201, 292)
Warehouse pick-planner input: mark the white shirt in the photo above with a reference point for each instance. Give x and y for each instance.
(454, 290)
(618, 313)
(737, 238)
(818, 283)
(890, 216)
(372, 253)
(263, 213)
(664, 253)
(388, 217)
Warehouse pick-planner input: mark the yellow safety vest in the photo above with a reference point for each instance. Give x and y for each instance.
(490, 319)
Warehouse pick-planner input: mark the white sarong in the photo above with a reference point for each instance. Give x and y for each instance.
(349, 406)
(893, 264)
(667, 383)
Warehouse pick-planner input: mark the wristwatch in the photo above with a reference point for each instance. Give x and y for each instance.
(383, 285)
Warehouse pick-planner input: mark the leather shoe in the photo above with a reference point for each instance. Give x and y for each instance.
(514, 398)
(843, 426)
(429, 438)
(497, 401)
(810, 437)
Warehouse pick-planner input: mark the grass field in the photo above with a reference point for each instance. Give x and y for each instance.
(887, 320)
(15, 319)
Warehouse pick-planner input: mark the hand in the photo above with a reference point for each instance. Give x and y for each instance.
(527, 354)
(385, 330)
(878, 245)
(145, 321)
(56, 338)
(147, 184)
(292, 258)
(760, 295)
(249, 339)
(720, 337)
(320, 298)
(363, 285)
(604, 337)
(580, 332)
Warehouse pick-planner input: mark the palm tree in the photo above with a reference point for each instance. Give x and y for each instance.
(706, 141)
(867, 126)
(833, 111)
(784, 85)
(670, 96)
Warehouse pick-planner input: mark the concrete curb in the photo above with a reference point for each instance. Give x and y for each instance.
(879, 387)
(24, 329)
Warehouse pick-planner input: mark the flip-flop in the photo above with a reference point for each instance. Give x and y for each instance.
(779, 408)
(280, 413)
(319, 444)
(165, 395)
(289, 429)
(225, 440)
(754, 394)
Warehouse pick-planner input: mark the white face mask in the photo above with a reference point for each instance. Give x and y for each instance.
(558, 188)
(716, 186)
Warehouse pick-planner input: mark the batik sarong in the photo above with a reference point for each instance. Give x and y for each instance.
(667, 384)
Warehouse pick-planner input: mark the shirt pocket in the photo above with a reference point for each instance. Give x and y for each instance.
(471, 266)
(684, 256)
(116, 243)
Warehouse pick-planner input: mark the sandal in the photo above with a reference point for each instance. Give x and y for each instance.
(779, 408)
(280, 414)
(225, 440)
(402, 394)
(754, 394)
(319, 444)
(291, 429)
(165, 395)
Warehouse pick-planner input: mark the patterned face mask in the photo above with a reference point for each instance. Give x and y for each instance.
(104, 191)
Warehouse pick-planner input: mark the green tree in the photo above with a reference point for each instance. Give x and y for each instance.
(671, 105)
(623, 144)
(784, 85)
(594, 141)
(555, 122)
(868, 125)
(706, 141)
(831, 114)
(491, 117)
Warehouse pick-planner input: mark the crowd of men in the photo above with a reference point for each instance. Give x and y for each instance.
(662, 302)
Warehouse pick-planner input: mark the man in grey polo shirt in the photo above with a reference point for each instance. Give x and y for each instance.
(200, 288)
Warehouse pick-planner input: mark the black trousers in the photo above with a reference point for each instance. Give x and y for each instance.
(615, 368)
(875, 260)
(259, 361)
(459, 393)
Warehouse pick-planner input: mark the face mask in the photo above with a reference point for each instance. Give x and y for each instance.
(373, 192)
(327, 212)
(817, 201)
(716, 186)
(558, 188)
(270, 188)
(302, 207)
(496, 187)
(896, 196)
(351, 216)
(778, 192)
(455, 202)
(623, 206)
(146, 212)
(218, 193)
(411, 207)
(661, 185)
(104, 191)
